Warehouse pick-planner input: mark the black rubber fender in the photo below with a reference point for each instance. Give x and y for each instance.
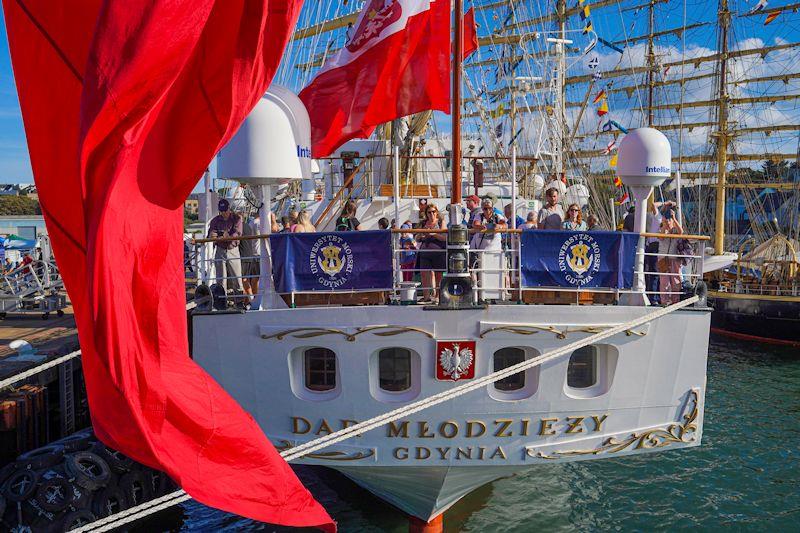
(119, 462)
(109, 501)
(20, 485)
(137, 488)
(43, 457)
(76, 519)
(701, 291)
(219, 297)
(89, 470)
(77, 442)
(54, 494)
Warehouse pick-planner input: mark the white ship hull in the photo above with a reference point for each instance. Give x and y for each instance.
(648, 394)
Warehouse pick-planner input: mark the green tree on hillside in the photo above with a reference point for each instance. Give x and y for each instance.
(19, 205)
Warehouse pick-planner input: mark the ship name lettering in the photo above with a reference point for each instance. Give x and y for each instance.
(598, 421)
(394, 430)
(469, 429)
(457, 453)
(303, 426)
(502, 425)
(574, 424)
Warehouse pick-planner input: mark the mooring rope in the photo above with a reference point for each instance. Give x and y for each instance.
(38, 369)
(140, 511)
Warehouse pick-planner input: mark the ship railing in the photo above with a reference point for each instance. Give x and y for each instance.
(496, 275)
(683, 269)
(497, 278)
(761, 289)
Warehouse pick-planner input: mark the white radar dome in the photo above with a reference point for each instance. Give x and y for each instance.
(644, 158)
(273, 145)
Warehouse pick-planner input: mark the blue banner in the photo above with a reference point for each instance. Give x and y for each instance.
(578, 259)
(334, 261)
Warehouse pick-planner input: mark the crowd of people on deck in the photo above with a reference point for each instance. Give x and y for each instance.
(238, 265)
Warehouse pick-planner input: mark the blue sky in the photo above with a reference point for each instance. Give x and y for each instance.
(15, 166)
(610, 23)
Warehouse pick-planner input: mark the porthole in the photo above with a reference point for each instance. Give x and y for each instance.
(582, 369)
(504, 358)
(394, 369)
(319, 365)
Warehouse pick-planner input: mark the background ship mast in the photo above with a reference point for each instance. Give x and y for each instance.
(722, 134)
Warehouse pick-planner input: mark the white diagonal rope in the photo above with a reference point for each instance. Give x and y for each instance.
(37, 369)
(140, 511)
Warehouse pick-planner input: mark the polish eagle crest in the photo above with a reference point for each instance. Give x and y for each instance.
(456, 362)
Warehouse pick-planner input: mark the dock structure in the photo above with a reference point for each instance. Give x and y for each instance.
(49, 405)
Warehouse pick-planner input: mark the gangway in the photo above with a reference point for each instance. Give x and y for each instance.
(32, 288)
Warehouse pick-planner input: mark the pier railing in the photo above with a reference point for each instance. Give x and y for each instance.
(672, 265)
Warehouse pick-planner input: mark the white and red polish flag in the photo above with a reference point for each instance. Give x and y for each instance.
(396, 62)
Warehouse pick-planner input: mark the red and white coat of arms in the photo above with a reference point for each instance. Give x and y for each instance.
(379, 15)
(455, 360)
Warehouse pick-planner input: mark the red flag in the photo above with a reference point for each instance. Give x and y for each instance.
(470, 38)
(395, 63)
(146, 93)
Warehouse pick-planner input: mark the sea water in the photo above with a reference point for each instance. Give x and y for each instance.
(745, 476)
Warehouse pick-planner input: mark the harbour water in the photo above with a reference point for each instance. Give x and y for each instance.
(746, 475)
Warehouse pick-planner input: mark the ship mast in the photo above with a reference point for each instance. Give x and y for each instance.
(561, 88)
(722, 135)
(455, 196)
(650, 65)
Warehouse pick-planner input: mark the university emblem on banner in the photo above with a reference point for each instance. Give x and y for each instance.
(331, 260)
(455, 360)
(579, 259)
(380, 14)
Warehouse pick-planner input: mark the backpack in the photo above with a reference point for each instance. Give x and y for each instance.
(344, 224)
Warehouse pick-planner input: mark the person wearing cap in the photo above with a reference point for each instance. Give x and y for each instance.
(226, 253)
(489, 218)
(472, 211)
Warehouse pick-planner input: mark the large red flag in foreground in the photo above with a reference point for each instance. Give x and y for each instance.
(125, 104)
(396, 62)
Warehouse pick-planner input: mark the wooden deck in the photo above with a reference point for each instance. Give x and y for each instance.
(46, 335)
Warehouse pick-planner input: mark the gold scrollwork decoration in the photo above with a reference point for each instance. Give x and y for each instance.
(394, 330)
(681, 432)
(524, 329)
(284, 445)
(310, 332)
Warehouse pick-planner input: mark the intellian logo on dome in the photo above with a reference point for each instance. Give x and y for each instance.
(657, 169)
(303, 151)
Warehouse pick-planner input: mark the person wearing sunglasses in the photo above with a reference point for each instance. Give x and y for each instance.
(432, 258)
(574, 221)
